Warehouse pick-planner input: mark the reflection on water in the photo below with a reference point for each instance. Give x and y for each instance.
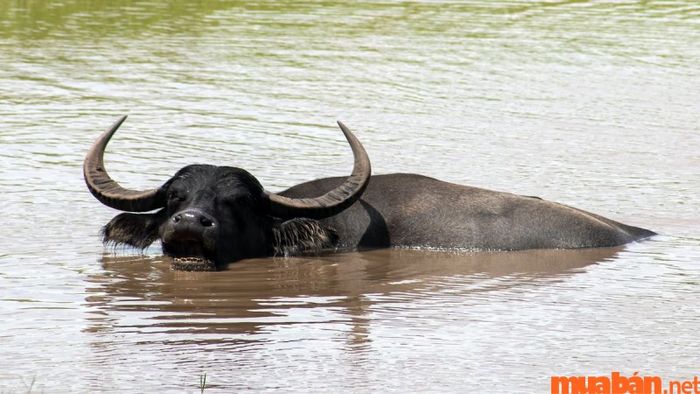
(142, 303)
(252, 293)
(590, 103)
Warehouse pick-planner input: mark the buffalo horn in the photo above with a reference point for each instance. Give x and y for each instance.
(336, 200)
(108, 191)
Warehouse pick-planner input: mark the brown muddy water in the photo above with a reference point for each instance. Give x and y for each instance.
(594, 104)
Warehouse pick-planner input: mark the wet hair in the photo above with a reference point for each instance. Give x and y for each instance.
(302, 236)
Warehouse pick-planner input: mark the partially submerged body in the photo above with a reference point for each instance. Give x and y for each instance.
(408, 210)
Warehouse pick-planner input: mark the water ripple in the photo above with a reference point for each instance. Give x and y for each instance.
(590, 103)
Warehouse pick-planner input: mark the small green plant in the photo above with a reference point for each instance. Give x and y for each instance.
(30, 385)
(202, 382)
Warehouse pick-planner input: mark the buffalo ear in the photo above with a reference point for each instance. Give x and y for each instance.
(138, 230)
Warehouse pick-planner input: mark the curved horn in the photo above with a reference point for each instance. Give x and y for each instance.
(105, 189)
(336, 200)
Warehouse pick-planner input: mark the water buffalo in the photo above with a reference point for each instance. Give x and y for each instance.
(207, 216)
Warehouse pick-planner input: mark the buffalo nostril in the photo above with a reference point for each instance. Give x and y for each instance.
(192, 219)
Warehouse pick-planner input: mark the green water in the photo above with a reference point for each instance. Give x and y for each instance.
(594, 104)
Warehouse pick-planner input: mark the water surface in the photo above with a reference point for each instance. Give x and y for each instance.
(594, 104)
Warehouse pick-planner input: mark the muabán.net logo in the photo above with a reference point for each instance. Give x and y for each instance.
(620, 384)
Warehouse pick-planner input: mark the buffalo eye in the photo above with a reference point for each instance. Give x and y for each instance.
(237, 201)
(245, 202)
(175, 196)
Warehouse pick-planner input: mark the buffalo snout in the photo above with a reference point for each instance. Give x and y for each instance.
(190, 225)
(192, 218)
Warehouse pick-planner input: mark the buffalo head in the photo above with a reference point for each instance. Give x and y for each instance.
(206, 216)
